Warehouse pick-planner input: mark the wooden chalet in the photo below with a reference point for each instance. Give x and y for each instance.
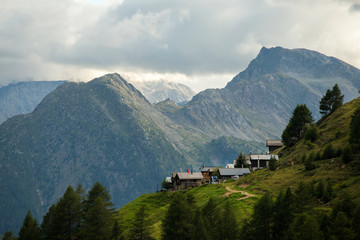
(259, 161)
(273, 145)
(207, 172)
(226, 173)
(184, 180)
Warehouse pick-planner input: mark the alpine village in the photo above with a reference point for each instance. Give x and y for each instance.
(183, 182)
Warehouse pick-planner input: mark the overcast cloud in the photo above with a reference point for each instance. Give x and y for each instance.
(201, 43)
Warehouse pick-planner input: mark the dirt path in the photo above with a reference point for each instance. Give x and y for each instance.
(231, 191)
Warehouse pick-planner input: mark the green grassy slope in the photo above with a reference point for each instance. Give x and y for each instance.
(345, 179)
(158, 203)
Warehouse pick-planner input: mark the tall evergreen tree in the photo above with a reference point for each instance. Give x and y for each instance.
(199, 232)
(177, 224)
(9, 235)
(325, 106)
(228, 227)
(211, 214)
(240, 161)
(141, 226)
(337, 99)
(305, 227)
(293, 131)
(262, 218)
(30, 229)
(98, 221)
(62, 221)
(116, 231)
(96, 191)
(355, 130)
(68, 214)
(331, 100)
(283, 214)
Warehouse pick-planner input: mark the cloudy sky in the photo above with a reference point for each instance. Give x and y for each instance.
(202, 43)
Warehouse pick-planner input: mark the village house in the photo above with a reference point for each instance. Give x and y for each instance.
(273, 145)
(184, 180)
(226, 173)
(259, 161)
(207, 172)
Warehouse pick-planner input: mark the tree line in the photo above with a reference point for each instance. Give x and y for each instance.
(76, 215)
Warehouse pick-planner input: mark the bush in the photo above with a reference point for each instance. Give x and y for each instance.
(329, 152)
(272, 164)
(346, 155)
(311, 132)
(309, 165)
(309, 144)
(318, 156)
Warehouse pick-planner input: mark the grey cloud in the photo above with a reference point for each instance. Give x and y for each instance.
(355, 7)
(190, 37)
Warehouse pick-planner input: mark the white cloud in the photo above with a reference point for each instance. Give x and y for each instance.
(197, 40)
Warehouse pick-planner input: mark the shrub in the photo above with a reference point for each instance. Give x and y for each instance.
(309, 144)
(318, 156)
(329, 152)
(346, 155)
(272, 164)
(311, 132)
(309, 165)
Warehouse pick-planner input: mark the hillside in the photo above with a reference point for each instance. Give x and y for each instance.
(290, 172)
(23, 97)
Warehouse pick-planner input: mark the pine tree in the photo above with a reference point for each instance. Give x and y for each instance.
(331, 101)
(30, 229)
(98, 221)
(305, 227)
(325, 106)
(240, 161)
(68, 214)
(141, 226)
(9, 235)
(302, 197)
(211, 214)
(283, 214)
(272, 164)
(63, 219)
(116, 231)
(294, 130)
(199, 232)
(263, 218)
(177, 223)
(228, 227)
(319, 190)
(96, 191)
(337, 99)
(355, 130)
(49, 228)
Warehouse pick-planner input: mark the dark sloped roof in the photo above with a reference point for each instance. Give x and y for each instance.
(274, 143)
(233, 171)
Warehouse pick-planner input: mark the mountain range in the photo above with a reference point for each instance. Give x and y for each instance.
(106, 130)
(23, 97)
